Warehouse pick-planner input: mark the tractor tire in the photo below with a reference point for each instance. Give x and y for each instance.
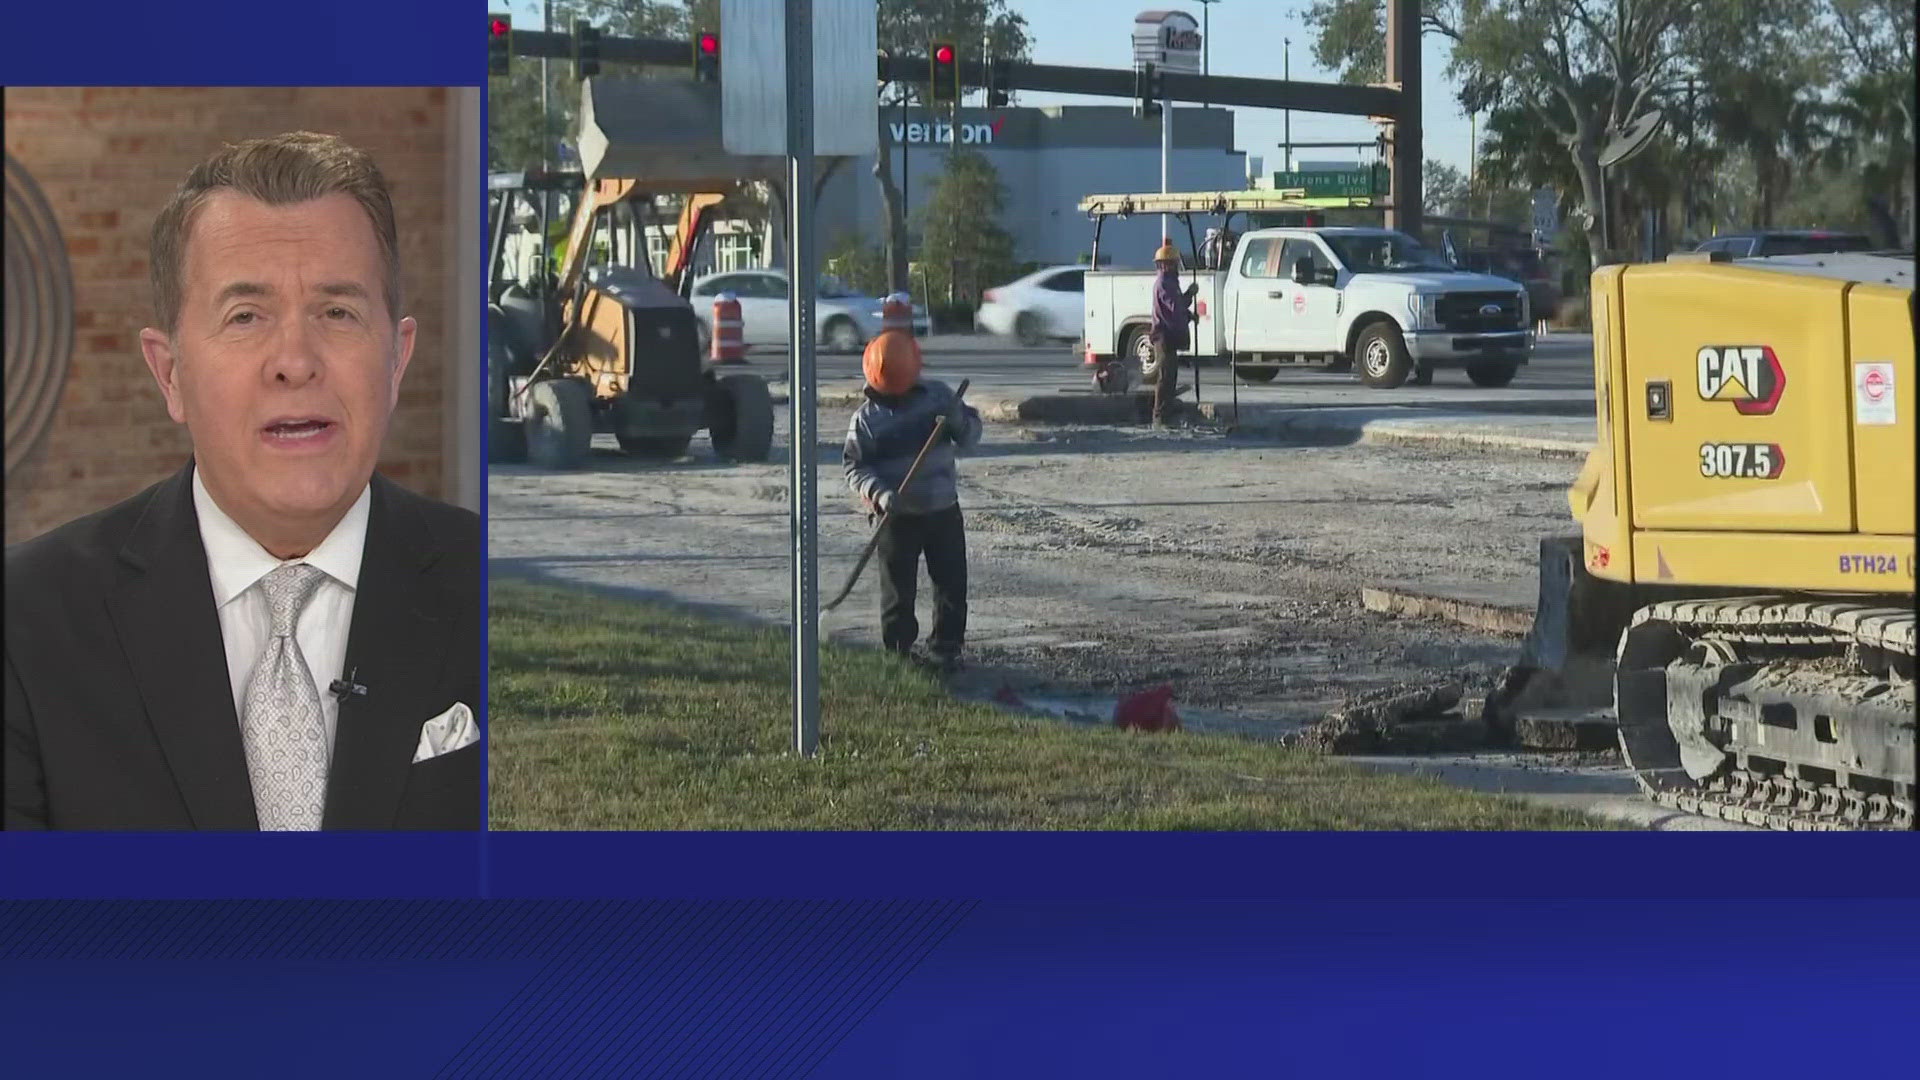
(506, 442)
(559, 423)
(1493, 372)
(740, 418)
(1381, 357)
(1030, 329)
(506, 436)
(1256, 374)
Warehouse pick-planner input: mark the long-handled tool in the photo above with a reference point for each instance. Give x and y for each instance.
(939, 426)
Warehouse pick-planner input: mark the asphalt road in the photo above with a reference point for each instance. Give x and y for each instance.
(1559, 378)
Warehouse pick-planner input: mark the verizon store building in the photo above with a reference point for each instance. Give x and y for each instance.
(1048, 159)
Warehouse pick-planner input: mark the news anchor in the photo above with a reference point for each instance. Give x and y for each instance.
(275, 637)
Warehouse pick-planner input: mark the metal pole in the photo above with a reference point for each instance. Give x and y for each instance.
(1286, 73)
(1206, 51)
(802, 474)
(906, 205)
(1686, 188)
(1166, 153)
(546, 114)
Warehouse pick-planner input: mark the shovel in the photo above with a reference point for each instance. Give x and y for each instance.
(939, 426)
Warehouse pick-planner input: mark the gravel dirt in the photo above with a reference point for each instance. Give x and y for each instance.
(1103, 559)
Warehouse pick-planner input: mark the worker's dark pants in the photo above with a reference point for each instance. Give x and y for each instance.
(942, 537)
(1167, 369)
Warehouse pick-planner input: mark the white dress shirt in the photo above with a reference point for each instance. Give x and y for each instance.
(236, 562)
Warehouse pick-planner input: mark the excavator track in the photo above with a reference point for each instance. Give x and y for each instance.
(1789, 713)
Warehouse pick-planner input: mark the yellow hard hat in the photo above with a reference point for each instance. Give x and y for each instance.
(1167, 253)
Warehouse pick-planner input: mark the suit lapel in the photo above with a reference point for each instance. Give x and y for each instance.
(396, 650)
(164, 616)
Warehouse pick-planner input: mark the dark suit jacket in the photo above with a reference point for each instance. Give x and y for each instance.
(119, 712)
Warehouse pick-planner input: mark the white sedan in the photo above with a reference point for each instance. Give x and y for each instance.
(1045, 304)
(845, 319)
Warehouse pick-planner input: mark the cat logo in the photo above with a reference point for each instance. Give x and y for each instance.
(1750, 376)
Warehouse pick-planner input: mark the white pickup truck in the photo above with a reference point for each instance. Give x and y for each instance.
(1373, 298)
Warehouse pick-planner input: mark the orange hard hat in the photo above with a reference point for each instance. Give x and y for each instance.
(892, 362)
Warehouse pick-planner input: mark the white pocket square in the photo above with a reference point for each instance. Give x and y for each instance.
(452, 730)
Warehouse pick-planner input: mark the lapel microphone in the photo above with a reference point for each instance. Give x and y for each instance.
(343, 688)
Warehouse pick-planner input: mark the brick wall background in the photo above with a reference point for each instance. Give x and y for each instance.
(106, 159)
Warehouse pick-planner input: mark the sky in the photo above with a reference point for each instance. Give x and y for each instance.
(1245, 39)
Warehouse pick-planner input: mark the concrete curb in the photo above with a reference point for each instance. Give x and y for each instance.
(1477, 614)
(1458, 431)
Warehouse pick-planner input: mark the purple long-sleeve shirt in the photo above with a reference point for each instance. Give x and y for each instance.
(1170, 310)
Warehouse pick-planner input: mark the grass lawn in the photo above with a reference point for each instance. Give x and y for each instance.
(612, 714)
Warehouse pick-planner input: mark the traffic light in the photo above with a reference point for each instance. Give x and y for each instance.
(943, 72)
(586, 49)
(997, 78)
(499, 43)
(1146, 91)
(706, 57)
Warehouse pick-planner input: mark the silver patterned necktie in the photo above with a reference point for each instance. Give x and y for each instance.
(284, 730)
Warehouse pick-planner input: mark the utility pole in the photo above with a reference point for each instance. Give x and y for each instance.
(546, 113)
(1286, 73)
(1403, 69)
(1166, 151)
(1686, 187)
(1206, 46)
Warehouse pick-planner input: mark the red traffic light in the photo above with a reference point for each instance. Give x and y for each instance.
(498, 27)
(709, 44)
(943, 54)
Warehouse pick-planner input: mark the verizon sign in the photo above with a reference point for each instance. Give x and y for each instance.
(941, 133)
(1169, 40)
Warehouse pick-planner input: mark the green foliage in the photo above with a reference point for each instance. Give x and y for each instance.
(907, 26)
(1788, 95)
(514, 123)
(611, 714)
(859, 262)
(963, 247)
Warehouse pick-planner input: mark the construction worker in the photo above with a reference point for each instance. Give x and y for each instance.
(888, 432)
(1172, 311)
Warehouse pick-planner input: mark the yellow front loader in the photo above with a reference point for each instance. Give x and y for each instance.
(1745, 569)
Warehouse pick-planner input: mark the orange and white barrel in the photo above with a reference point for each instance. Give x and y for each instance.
(729, 346)
(896, 313)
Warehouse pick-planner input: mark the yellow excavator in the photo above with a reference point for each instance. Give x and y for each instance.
(1743, 585)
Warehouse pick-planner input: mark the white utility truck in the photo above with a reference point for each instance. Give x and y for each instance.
(1372, 298)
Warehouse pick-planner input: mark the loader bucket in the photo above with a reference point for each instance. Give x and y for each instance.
(1567, 660)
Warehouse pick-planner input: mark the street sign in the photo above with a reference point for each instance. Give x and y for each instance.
(753, 78)
(1334, 184)
(1169, 40)
(1546, 213)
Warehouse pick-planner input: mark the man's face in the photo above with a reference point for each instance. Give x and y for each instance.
(285, 363)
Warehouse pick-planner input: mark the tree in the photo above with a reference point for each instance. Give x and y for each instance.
(515, 126)
(1579, 69)
(963, 245)
(906, 27)
(1444, 189)
(1874, 40)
